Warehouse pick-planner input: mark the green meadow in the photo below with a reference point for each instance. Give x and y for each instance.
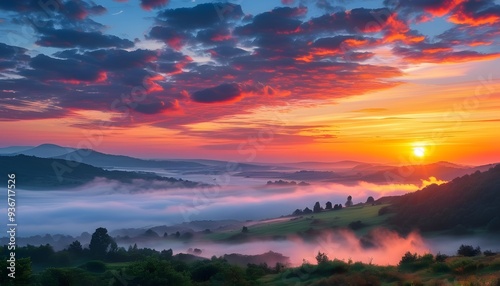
(308, 224)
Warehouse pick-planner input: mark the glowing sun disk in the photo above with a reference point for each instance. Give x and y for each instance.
(419, 151)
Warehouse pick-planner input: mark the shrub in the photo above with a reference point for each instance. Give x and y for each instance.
(464, 266)
(408, 258)
(321, 258)
(489, 253)
(384, 210)
(441, 267)
(468, 250)
(94, 266)
(415, 262)
(441, 257)
(355, 225)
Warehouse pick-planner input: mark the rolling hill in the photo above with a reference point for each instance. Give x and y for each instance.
(99, 159)
(44, 173)
(467, 202)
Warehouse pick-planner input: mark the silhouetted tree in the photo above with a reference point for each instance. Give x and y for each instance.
(166, 254)
(177, 234)
(307, 211)
(317, 207)
(349, 201)
(468, 250)
(244, 229)
(328, 206)
(370, 200)
(151, 233)
(100, 242)
(75, 247)
(297, 212)
(321, 258)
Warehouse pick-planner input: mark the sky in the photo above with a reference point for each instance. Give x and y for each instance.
(254, 81)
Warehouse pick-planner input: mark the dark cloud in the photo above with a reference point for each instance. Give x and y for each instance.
(214, 35)
(225, 52)
(173, 37)
(201, 16)
(153, 106)
(65, 38)
(439, 53)
(281, 20)
(112, 59)
(8, 51)
(12, 56)
(153, 4)
(468, 12)
(45, 68)
(354, 21)
(81, 9)
(76, 10)
(222, 93)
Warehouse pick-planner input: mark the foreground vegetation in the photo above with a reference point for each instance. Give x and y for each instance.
(150, 267)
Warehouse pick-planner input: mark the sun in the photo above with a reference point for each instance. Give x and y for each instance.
(419, 151)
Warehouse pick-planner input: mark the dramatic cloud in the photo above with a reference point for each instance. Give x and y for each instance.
(65, 38)
(170, 36)
(278, 21)
(201, 16)
(154, 107)
(222, 93)
(70, 71)
(217, 53)
(438, 53)
(476, 13)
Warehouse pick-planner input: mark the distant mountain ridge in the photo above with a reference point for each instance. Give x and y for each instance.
(45, 151)
(103, 160)
(49, 173)
(99, 159)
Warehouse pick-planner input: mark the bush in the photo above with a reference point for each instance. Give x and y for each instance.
(441, 267)
(321, 258)
(332, 267)
(94, 266)
(465, 266)
(489, 253)
(408, 258)
(441, 257)
(355, 225)
(415, 262)
(384, 210)
(468, 250)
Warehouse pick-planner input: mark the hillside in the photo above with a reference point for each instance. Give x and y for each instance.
(99, 159)
(44, 151)
(470, 201)
(41, 173)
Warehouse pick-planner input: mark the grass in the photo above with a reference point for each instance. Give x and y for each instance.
(307, 224)
(482, 271)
